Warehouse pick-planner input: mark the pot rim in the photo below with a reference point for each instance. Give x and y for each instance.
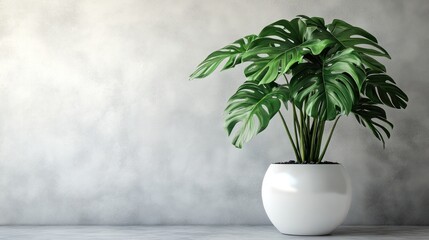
(306, 164)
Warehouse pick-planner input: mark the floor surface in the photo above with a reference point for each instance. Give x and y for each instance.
(203, 233)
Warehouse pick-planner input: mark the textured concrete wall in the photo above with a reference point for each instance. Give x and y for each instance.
(99, 124)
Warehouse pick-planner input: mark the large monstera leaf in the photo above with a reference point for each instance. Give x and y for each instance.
(278, 47)
(380, 88)
(252, 107)
(373, 117)
(330, 89)
(360, 40)
(349, 36)
(231, 53)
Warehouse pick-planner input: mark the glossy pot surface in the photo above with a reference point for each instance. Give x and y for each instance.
(306, 199)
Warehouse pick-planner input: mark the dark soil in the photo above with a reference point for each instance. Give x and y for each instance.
(295, 162)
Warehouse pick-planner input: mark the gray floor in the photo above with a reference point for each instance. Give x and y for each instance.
(201, 233)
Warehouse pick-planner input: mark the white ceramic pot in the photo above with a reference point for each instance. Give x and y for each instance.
(306, 199)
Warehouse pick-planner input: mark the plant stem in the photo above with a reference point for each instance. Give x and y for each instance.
(290, 137)
(313, 131)
(296, 126)
(295, 119)
(307, 120)
(319, 138)
(302, 139)
(329, 139)
(287, 81)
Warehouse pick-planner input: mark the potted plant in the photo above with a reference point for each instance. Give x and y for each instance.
(319, 72)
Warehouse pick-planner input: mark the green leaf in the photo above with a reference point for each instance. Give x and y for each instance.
(252, 107)
(349, 36)
(279, 46)
(330, 89)
(360, 40)
(373, 117)
(231, 53)
(313, 21)
(381, 88)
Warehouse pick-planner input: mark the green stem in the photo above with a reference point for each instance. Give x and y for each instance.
(290, 137)
(320, 130)
(313, 131)
(302, 134)
(329, 139)
(296, 126)
(287, 81)
(295, 119)
(307, 120)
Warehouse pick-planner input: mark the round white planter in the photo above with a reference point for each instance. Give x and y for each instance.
(306, 199)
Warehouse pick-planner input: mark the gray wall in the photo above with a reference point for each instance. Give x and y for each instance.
(99, 124)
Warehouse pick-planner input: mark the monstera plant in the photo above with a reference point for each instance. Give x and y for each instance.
(319, 72)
